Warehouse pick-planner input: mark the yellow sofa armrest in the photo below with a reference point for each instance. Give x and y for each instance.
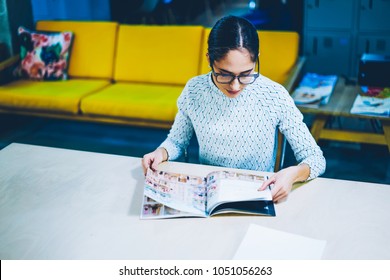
(295, 74)
(9, 62)
(6, 67)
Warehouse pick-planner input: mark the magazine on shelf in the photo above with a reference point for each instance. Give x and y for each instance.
(372, 101)
(171, 195)
(314, 90)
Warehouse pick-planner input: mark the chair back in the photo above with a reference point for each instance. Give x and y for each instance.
(280, 149)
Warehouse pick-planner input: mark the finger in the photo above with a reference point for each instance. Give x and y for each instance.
(281, 199)
(266, 183)
(144, 165)
(279, 194)
(147, 163)
(154, 164)
(275, 190)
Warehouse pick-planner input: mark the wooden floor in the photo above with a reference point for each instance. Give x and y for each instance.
(350, 161)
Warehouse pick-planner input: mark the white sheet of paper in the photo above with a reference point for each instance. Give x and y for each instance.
(261, 243)
(233, 190)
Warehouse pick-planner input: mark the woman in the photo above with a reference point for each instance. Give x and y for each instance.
(235, 113)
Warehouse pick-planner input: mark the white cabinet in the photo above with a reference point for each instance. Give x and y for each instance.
(331, 14)
(71, 9)
(327, 51)
(336, 33)
(374, 15)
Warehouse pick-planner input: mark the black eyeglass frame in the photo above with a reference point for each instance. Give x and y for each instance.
(233, 77)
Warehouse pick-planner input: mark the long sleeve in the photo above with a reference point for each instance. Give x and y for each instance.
(182, 130)
(299, 137)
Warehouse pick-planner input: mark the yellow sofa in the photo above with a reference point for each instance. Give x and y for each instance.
(133, 74)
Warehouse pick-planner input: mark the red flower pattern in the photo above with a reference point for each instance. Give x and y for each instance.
(32, 63)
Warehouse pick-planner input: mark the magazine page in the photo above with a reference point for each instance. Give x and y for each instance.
(372, 101)
(152, 209)
(314, 90)
(176, 191)
(226, 186)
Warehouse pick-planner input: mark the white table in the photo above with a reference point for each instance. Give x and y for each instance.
(66, 204)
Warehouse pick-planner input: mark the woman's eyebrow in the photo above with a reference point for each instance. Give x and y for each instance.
(223, 70)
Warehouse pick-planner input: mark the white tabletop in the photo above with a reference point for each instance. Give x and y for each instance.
(66, 204)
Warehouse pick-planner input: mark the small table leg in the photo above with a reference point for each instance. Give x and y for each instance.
(386, 131)
(318, 125)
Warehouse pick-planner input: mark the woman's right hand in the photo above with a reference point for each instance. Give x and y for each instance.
(153, 159)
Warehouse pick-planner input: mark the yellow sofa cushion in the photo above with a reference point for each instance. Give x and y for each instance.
(93, 49)
(61, 96)
(158, 54)
(278, 53)
(135, 101)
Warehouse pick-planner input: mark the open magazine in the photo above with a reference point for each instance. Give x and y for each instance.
(171, 195)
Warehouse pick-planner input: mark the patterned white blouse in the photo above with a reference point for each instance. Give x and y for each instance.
(241, 132)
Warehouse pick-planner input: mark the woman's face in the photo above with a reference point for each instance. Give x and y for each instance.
(238, 63)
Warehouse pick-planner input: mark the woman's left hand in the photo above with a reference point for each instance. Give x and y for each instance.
(284, 179)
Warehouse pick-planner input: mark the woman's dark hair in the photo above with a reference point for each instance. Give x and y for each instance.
(231, 33)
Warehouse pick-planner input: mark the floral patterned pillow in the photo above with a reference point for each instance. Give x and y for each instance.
(44, 55)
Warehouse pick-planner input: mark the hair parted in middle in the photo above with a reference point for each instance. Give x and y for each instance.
(232, 33)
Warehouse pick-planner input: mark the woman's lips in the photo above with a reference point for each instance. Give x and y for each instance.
(233, 92)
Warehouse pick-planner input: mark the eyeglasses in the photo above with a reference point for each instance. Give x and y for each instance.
(242, 79)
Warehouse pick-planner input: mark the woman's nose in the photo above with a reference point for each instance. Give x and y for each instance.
(235, 84)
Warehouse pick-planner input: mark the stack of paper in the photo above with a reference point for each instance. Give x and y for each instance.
(369, 104)
(261, 243)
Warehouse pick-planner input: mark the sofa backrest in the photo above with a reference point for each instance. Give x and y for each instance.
(278, 53)
(158, 54)
(93, 49)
